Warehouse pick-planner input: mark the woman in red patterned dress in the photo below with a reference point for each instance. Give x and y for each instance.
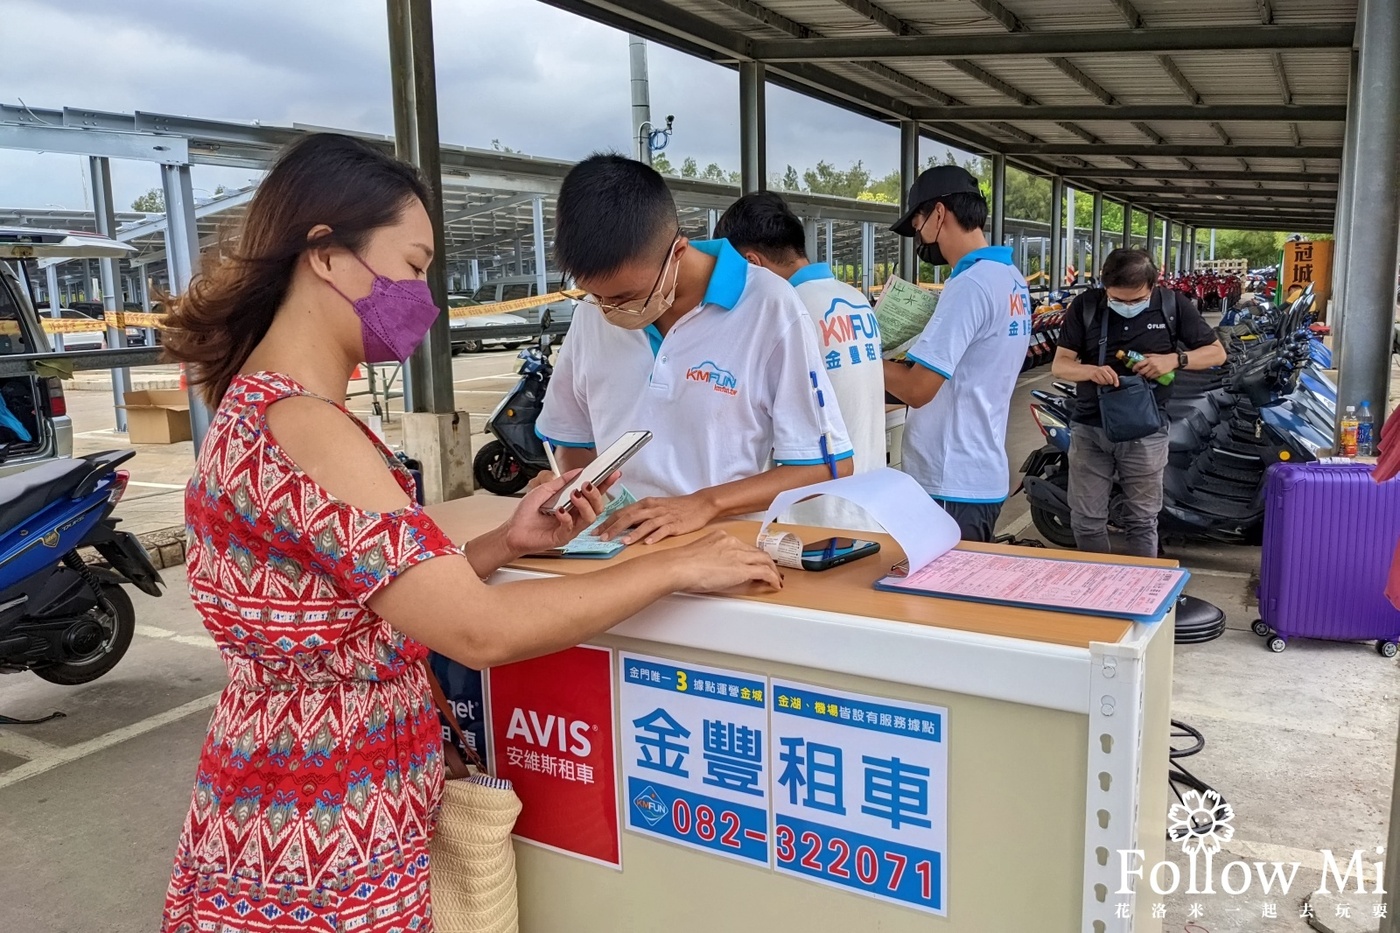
(322, 582)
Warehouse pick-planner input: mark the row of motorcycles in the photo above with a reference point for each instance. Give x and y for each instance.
(1212, 291)
(1272, 401)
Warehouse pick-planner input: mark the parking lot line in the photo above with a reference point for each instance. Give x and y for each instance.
(22, 746)
(72, 753)
(194, 641)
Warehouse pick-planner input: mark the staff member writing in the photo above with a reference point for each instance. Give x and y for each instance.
(966, 361)
(767, 233)
(1130, 313)
(715, 357)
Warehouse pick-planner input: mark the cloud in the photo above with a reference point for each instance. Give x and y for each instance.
(536, 78)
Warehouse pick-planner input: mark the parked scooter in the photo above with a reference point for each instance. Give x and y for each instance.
(506, 465)
(1269, 404)
(67, 621)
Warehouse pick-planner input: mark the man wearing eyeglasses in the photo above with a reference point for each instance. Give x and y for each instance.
(717, 358)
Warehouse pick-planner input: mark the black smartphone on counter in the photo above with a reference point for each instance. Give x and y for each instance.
(833, 552)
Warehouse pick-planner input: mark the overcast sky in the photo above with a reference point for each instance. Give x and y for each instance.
(538, 79)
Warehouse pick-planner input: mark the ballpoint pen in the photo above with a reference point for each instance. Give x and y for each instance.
(821, 413)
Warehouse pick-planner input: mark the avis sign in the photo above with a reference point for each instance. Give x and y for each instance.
(552, 736)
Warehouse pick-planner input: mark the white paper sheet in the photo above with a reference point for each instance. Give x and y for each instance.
(895, 500)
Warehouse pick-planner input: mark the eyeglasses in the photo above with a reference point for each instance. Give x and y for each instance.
(638, 306)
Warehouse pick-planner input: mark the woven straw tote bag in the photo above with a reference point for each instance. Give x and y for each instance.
(471, 860)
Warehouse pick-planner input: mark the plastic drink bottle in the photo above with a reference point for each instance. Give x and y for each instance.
(1132, 357)
(1348, 432)
(1365, 432)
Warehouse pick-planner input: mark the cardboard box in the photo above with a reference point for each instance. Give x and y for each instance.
(158, 416)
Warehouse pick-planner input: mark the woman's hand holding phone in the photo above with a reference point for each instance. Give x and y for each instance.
(530, 530)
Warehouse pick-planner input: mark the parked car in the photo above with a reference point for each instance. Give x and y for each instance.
(87, 340)
(34, 423)
(510, 288)
(472, 334)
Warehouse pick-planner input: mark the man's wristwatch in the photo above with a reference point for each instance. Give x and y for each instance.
(1180, 360)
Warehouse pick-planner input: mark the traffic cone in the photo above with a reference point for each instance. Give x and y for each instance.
(183, 383)
(356, 374)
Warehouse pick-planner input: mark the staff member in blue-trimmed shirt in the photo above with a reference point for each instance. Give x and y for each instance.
(963, 367)
(717, 358)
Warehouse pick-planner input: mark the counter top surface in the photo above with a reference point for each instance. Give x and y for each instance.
(847, 589)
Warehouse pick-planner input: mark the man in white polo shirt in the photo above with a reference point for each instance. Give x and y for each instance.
(715, 357)
(767, 233)
(963, 368)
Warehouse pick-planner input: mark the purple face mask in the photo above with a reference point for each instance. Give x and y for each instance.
(394, 316)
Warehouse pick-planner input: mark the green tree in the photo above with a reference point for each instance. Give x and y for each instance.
(713, 172)
(152, 202)
(689, 169)
(496, 145)
(827, 179)
(1259, 247)
(790, 180)
(662, 164)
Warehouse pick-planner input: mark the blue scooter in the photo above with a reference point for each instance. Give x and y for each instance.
(67, 621)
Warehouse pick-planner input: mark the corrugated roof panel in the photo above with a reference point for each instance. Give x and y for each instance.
(826, 16)
(1034, 77)
(1195, 13)
(1294, 12)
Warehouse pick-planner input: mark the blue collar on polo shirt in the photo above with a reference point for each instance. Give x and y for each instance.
(811, 272)
(727, 281)
(1001, 254)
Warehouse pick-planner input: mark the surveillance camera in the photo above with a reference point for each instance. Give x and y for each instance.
(670, 120)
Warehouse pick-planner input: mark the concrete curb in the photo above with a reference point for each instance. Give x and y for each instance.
(166, 546)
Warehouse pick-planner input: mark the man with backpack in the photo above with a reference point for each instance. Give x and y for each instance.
(1112, 435)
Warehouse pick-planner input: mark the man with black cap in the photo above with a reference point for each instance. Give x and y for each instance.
(961, 371)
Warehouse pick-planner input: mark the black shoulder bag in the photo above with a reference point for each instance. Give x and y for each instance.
(1130, 411)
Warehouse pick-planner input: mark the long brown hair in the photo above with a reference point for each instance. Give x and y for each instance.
(325, 178)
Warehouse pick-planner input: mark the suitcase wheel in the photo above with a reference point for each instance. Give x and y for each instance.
(1260, 628)
(1277, 644)
(1388, 649)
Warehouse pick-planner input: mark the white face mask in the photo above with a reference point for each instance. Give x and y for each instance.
(1129, 309)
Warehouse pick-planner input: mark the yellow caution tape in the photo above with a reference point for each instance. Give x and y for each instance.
(518, 304)
(135, 319)
(72, 326)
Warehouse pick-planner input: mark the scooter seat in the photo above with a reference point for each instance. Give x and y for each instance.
(25, 493)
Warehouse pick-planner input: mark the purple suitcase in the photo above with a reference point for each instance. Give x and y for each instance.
(1329, 534)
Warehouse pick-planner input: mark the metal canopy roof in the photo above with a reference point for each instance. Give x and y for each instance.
(1140, 99)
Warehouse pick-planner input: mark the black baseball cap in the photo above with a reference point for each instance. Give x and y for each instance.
(932, 184)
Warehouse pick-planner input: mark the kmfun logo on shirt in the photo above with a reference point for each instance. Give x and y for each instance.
(845, 322)
(721, 380)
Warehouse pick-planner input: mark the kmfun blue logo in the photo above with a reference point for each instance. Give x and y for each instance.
(651, 806)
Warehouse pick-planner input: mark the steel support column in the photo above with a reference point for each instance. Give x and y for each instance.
(1151, 243)
(830, 253)
(1212, 243)
(711, 219)
(867, 257)
(1071, 248)
(908, 171)
(104, 216)
(641, 98)
(1192, 253)
(541, 267)
(1057, 232)
(1127, 225)
(1166, 264)
(1341, 229)
(1371, 256)
(1096, 240)
(182, 263)
(428, 374)
(809, 232)
(753, 128)
(998, 199)
(55, 302)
